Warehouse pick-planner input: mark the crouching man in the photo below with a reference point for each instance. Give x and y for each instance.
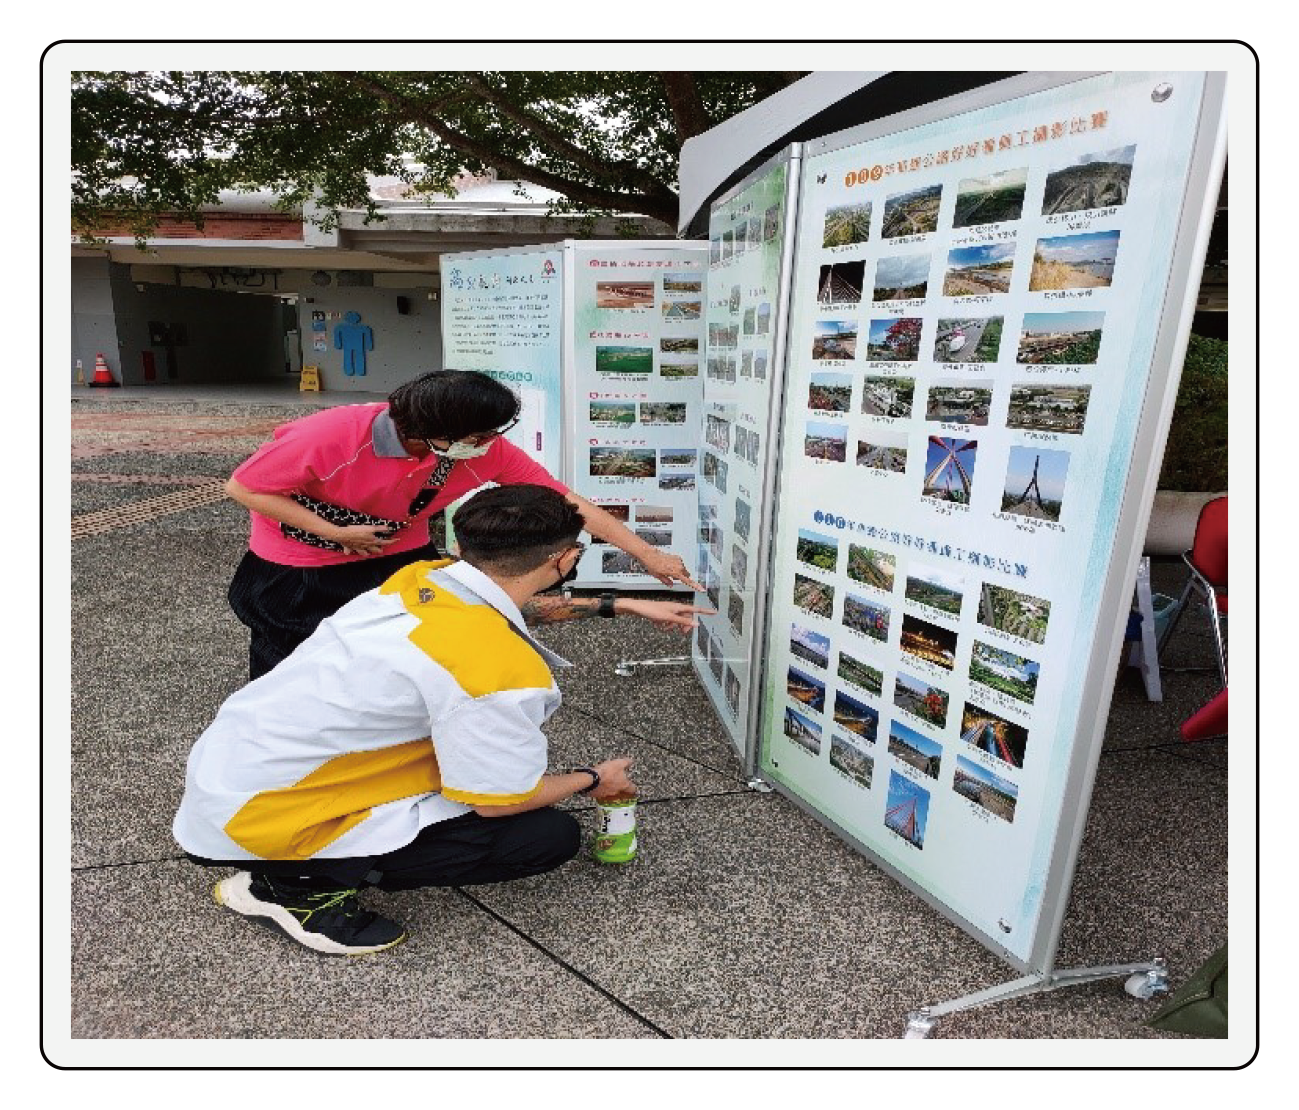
(400, 746)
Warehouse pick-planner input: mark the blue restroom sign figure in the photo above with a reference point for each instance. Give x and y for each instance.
(353, 338)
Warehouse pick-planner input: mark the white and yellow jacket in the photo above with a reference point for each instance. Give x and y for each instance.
(411, 704)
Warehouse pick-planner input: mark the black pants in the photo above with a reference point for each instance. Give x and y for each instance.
(465, 851)
(282, 605)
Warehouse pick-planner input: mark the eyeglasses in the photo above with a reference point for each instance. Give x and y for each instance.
(576, 545)
(479, 438)
(487, 437)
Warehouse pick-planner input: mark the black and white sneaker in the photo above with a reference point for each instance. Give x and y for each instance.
(329, 921)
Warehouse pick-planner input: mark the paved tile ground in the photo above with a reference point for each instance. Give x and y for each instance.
(743, 918)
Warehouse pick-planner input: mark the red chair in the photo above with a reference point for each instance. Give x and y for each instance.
(1207, 561)
(1208, 720)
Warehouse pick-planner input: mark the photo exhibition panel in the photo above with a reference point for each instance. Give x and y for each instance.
(502, 315)
(746, 249)
(975, 305)
(637, 343)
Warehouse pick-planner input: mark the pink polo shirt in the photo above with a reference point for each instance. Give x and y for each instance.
(351, 456)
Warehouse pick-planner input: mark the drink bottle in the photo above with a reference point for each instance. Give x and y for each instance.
(615, 834)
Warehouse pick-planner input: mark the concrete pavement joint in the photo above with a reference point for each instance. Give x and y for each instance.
(564, 964)
(657, 743)
(1191, 757)
(1177, 751)
(742, 793)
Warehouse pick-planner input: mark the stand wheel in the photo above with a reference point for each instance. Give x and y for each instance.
(1145, 984)
(918, 1027)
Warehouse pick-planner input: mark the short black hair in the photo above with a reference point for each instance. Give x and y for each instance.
(451, 404)
(514, 529)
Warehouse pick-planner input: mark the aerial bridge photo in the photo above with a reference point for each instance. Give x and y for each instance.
(846, 224)
(912, 213)
(1095, 181)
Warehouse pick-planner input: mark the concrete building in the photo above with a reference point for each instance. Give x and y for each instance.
(257, 292)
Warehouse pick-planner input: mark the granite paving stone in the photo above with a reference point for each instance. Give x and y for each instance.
(154, 956)
(777, 929)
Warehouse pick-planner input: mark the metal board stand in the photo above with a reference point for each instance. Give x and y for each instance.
(627, 667)
(1143, 980)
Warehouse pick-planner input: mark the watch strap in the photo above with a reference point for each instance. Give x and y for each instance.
(607, 600)
(595, 778)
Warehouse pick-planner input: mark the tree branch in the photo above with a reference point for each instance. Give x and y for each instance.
(687, 108)
(654, 206)
(604, 168)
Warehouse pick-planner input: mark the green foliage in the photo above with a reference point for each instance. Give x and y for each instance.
(989, 341)
(1196, 456)
(146, 144)
(1085, 351)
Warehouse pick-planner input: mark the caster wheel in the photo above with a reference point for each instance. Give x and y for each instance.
(918, 1027)
(1140, 986)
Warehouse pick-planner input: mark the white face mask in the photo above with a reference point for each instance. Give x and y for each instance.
(459, 450)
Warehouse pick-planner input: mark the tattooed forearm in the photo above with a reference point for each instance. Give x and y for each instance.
(548, 610)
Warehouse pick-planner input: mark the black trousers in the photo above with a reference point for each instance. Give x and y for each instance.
(465, 851)
(282, 605)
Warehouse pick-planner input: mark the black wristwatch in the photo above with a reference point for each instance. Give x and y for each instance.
(595, 778)
(606, 606)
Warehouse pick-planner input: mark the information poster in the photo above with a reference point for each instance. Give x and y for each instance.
(637, 336)
(502, 315)
(974, 310)
(746, 235)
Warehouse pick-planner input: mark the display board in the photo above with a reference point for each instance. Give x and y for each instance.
(748, 247)
(502, 314)
(633, 351)
(987, 300)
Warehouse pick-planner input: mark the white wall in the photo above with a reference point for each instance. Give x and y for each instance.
(94, 328)
(405, 346)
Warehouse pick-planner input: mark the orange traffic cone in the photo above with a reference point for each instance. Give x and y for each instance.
(103, 376)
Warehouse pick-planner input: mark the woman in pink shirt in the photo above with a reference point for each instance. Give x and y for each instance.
(341, 499)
